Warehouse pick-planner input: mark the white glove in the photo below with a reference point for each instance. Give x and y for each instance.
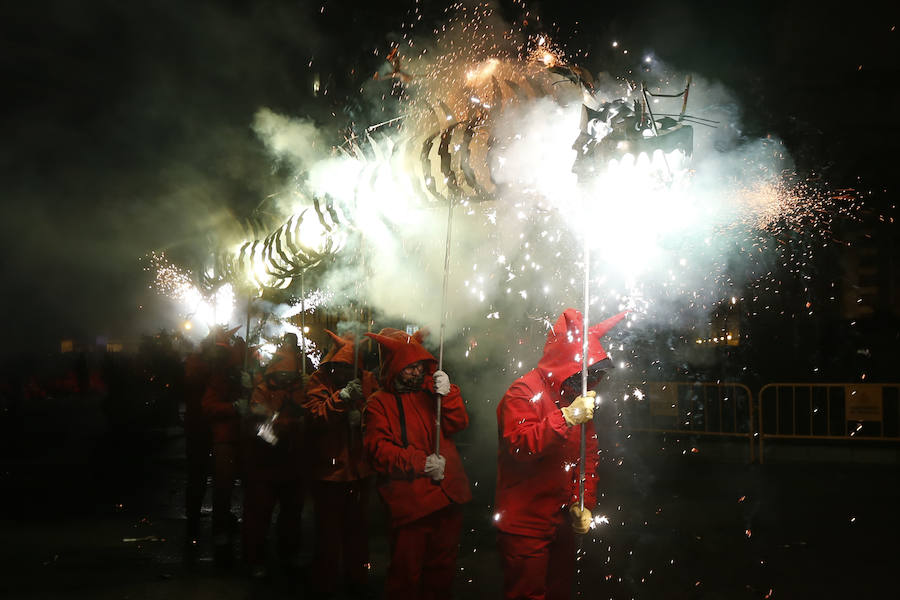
(266, 431)
(434, 466)
(246, 380)
(580, 411)
(581, 519)
(241, 406)
(441, 383)
(351, 391)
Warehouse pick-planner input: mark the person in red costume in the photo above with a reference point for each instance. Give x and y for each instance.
(423, 490)
(341, 476)
(537, 502)
(276, 461)
(197, 439)
(222, 403)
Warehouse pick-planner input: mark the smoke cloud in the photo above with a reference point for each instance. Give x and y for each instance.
(675, 243)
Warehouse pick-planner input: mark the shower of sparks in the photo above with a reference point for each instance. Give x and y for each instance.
(169, 279)
(312, 300)
(284, 319)
(177, 284)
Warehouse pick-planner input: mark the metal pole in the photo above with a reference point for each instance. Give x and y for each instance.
(584, 351)
(653, 125)
(437, 429)
(302, 325)
(359, 311)
(247, 331)
(687, 89)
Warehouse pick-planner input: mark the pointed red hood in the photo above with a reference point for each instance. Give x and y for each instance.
(342, 348)
(222, 336)
(286, 359)
(399, 350)
(562, 351)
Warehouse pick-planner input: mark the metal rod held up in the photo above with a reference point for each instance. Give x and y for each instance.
(584, 353)
(302, 325)
(247, 332)
(437, 429)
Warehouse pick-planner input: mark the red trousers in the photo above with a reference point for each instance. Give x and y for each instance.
(225, 466)
(423, 557)
(342, 532)
(198, 448)
(538, 568)
(260, 497)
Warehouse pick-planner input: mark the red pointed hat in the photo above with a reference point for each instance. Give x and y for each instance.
(562, 351)
(286, 358)
(399, 351)
(399, 334)
(222, 336)
(341, 348)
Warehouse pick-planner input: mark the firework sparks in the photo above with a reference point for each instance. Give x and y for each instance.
(176, 283)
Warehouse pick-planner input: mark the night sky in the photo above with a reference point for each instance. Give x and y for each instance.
(127, 126)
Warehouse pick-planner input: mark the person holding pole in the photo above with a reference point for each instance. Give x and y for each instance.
(275, 449)
(423, 490)
(341, 476)
(539, 422)
(222, 404)
(197, 440)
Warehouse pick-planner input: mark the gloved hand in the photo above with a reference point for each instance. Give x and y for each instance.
(266, 431)
(580, 411)
(259, 409)
(241, 406)
(246, 380)
(352, 391)
(434, 466)
(581, 519)
(441, 383)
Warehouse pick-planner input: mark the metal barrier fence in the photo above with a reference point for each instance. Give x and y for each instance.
(829, 411)
(709, 409)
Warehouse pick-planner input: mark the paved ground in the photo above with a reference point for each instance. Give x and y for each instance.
(87, 514)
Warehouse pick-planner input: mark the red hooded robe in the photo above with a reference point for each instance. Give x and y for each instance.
(286, 459)
(538, 454)
(337, 454)
(222, 388)
(408, 493)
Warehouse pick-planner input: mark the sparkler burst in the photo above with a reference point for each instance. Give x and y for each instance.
(194, 306)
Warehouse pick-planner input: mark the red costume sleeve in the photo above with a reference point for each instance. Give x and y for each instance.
(454, 417)
(216, 402)
(292, 409)
(526, 434)
(259, 396)
(322, 400)
(384, 450)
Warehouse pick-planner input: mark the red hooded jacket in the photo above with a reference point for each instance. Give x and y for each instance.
(286, 458)
(222, 388)
(337, 450)
(407, 491)
(539, 454)
(196, 375)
